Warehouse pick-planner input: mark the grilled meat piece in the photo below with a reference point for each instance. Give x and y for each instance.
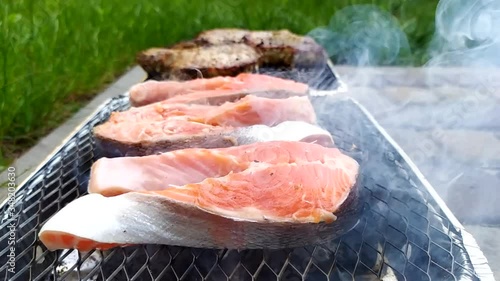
(198, 61)
(278, 48)
(230, 51)
(214, 37)
(282, 48)
(222, 36)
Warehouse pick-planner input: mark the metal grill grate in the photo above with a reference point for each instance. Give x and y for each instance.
(402, 234)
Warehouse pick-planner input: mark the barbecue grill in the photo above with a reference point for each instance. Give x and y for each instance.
(405, 231)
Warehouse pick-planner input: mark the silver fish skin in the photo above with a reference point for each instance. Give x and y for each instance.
(285, 131)
(137, 218)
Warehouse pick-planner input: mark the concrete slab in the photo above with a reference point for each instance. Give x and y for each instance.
(455, 114)
(375, 101)
(488, 237)
(473, 147)
(462, 165)
(474, 197)
(404, 95)
(419, 77)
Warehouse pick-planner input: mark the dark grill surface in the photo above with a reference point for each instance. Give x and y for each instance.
(402, 234)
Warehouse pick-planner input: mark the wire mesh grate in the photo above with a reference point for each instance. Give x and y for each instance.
(401, 235)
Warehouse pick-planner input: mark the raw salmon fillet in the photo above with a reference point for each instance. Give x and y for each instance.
(185, 166)
(263, 195)
(154, 91)
(249, 110)
(159, 126)
(139, 139)
(218, 97)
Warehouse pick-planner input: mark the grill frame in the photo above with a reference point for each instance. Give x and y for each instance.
(477, 262)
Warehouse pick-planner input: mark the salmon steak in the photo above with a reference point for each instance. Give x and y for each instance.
(219, 97)
(160, 127)
(275, 194)
(131, 140)
(154, 91)
(250, 110)
(181, 167)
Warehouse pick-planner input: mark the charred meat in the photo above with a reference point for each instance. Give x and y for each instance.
(230, 51)
(198, 62)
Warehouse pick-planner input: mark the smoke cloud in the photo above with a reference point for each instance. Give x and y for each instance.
(467, 34)
(363, 35)
(443, 114)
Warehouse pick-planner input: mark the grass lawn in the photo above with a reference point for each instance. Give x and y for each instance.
(55, 55)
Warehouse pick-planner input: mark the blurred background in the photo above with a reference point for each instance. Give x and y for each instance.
(56, 55)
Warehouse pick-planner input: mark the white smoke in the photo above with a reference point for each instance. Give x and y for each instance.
(363, 35)
(450, 108)
(467, 34)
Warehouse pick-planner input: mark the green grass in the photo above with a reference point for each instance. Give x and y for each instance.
(55, 55)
